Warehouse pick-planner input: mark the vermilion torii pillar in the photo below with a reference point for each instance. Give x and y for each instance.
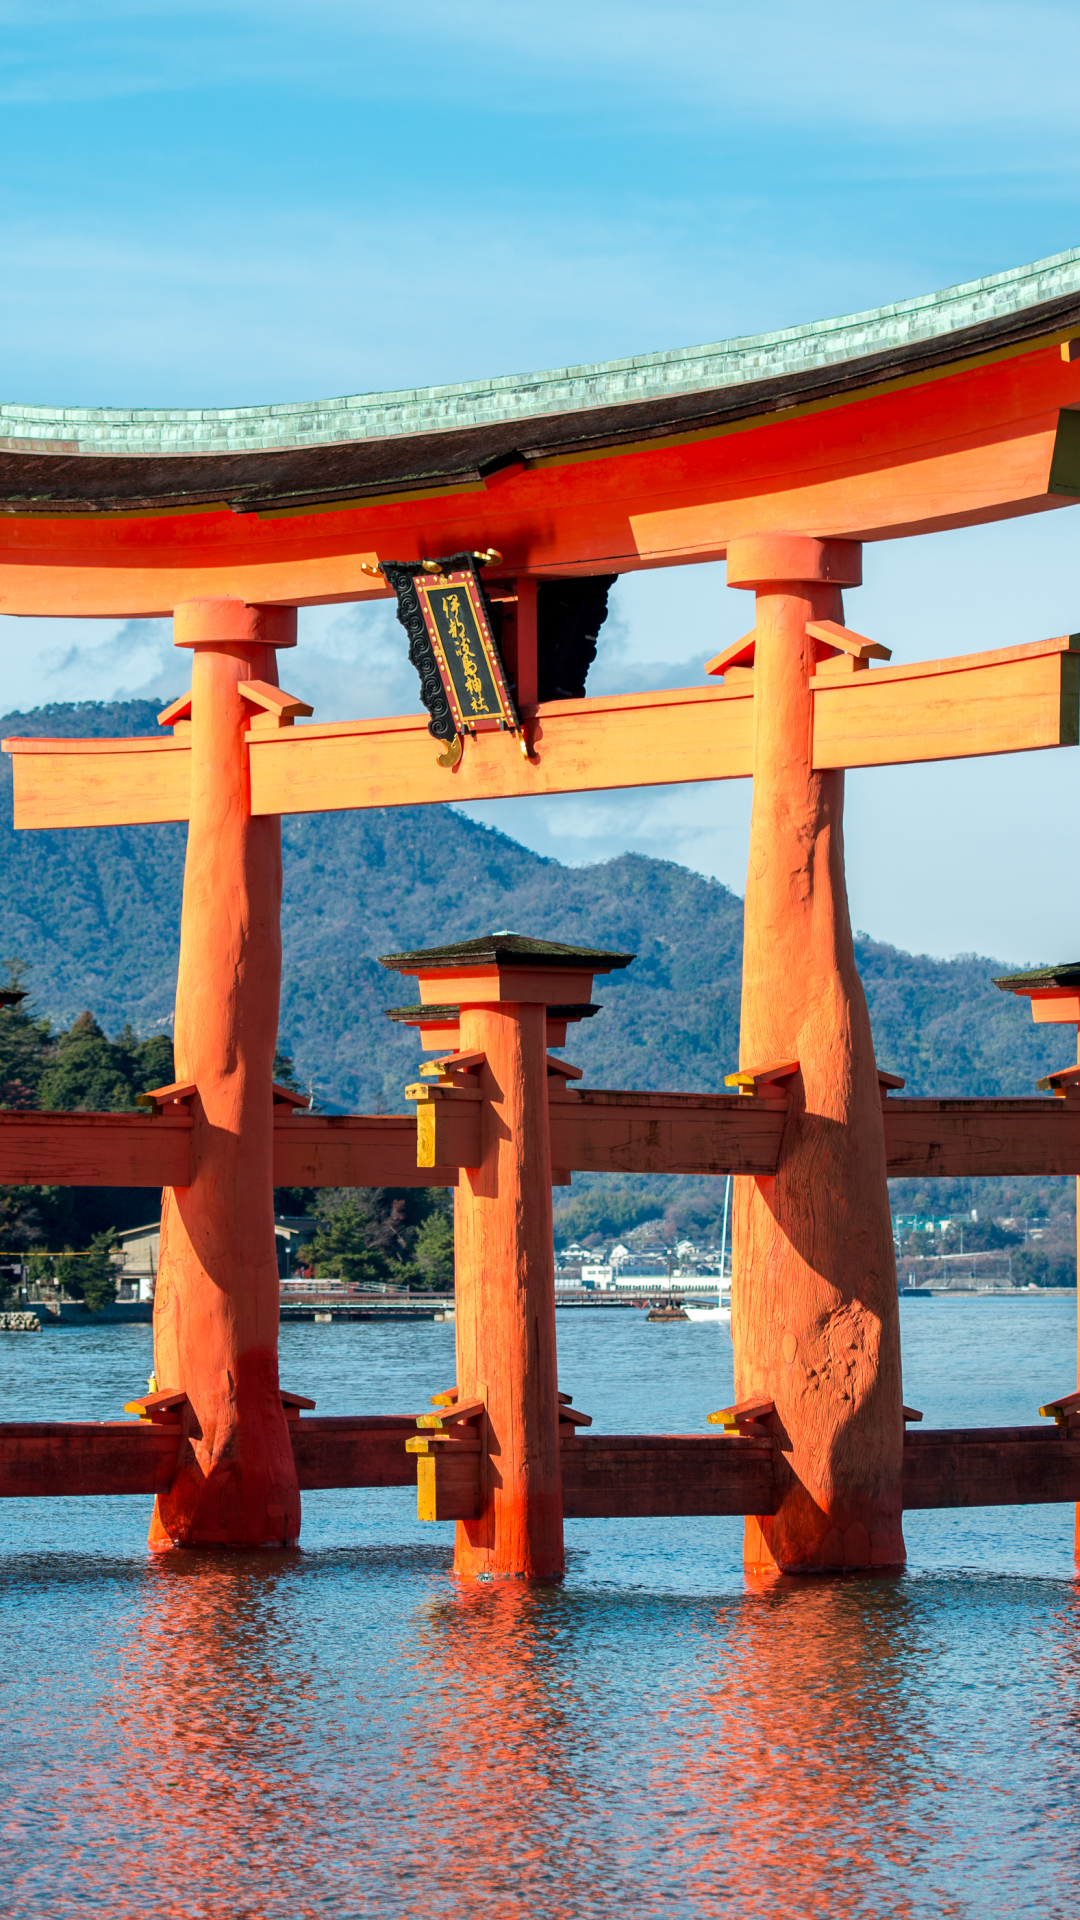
(815, 1314)
(503, 1240)
(216, 1303)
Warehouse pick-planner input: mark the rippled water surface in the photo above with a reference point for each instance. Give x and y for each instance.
(345, 1730)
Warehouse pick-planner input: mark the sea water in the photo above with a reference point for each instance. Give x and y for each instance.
(346, 1730)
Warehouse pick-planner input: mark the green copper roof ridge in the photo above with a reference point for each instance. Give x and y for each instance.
(1065, 973)
(745, 358)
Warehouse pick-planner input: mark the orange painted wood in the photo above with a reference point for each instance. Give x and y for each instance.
(100, 783)
(1011, 701)
(597, 1130)
(626, 740)
(94, 1150)
(367, 1150)
(991, 1467)
(352, 1450)
(216, 1301)
(505, 1297)
(955, 1139)
(639, 1476)
(979, 478)
(971, 442)
(44, 1459)
(1007, 702)
(815, 1315)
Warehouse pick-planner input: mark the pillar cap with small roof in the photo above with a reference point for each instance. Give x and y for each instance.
(1054, 992)
(506, 966)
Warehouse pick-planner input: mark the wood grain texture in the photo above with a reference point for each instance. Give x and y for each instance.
(628, 740)
(94, 1150)
(815, 1316)
(216, 1301)
(364, 1150)
(352, 1450)
(505, 1292)
(1008, 702)
(639, 1476)
(99, 783)
(49, 1459)
(954, 1139)
(601, 1130)
(991, 1467)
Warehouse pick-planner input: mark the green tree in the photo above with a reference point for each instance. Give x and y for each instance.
(89, 1276)
(26, 1046)
(344, 1245)
(433, 1253)
(88, 1071)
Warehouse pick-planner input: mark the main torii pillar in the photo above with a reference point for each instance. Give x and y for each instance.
(216, 1302)
(815, 1311)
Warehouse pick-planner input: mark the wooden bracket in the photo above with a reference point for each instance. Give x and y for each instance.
(276, 708)
(746, 1417)
(288, 1097)
(562, 1070)
(176, 1098)
(177, 714)
(910, 1413)
(737, 659)
(292, 1403)
(158, 1409)
(1064, 1084)
(889, 1083)
(849, 652)
(450, 1069)
(451, 1416)
(1064, 1412)
(764, 1083)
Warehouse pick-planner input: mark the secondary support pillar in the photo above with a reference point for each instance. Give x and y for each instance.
(815, 1313)
(503, 1242)
(216, 1303)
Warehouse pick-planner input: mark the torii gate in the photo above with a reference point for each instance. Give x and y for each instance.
(785, 455)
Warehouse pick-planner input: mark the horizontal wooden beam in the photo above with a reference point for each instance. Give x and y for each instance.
(987, 435)
(369, 1150)
(95, 1150)
(593, 1130)
(954, 1139)
(604, 1475)
(101, 783)
(598, 1130)
(1009, 701)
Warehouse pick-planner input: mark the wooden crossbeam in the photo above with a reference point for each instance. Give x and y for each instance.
(603, 1475)
(593, 1130)
(1009, 701)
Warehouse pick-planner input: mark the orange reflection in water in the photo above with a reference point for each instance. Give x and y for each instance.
(819, 1769)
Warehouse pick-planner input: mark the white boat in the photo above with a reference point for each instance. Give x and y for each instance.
(720, 1313)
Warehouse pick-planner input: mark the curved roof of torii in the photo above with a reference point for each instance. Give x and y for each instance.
(104, 459)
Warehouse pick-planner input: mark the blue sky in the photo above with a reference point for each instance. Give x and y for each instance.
(240, 203)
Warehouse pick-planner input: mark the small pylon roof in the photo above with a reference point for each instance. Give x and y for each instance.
(1065, 975)
(439, 1016)
(505, 950)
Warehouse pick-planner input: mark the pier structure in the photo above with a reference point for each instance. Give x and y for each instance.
(789, 456)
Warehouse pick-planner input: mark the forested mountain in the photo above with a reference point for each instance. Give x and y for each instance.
(95, 915)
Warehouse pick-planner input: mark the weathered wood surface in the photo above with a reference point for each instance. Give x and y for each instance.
(609, 1476)
(1010, 701)
(602, 1130)
(363, 1150)
(991, 1467)
(951, 1139)
(603, 1475)
(353, 1450)
(40, 1459)
(95, 1149)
